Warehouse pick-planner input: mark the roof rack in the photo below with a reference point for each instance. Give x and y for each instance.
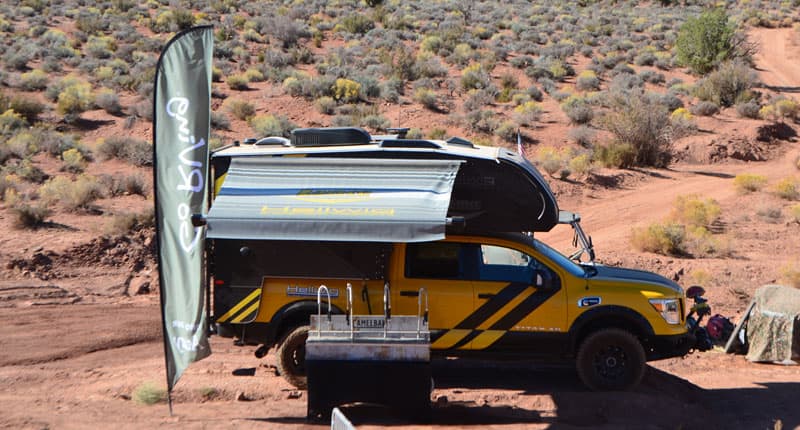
(460, 142)
(410, 143)
(335, 136)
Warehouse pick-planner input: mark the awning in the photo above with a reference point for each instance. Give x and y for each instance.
(333, 199)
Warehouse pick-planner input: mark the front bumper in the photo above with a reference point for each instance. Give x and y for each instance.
(660, 347)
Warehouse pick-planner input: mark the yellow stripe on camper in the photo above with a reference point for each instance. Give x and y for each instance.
(247, 312)
(450, 338)
(232, 311)
(487, 338)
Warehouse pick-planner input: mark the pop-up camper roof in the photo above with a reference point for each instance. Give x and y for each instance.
(345, 185)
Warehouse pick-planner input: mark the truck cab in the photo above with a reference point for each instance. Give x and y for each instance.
(494, 290)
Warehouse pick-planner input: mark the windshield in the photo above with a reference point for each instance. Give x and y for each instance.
(559, 258)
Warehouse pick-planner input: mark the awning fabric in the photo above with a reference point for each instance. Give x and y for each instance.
(333, 199)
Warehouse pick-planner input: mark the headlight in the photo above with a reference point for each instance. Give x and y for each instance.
(669, 309)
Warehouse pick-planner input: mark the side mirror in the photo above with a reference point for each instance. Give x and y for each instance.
(537, 279)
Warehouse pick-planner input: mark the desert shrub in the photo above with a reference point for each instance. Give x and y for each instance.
(616, 154)
(748, 109)
(26, 170)
(325, 105)
(100, 46)
(427, 98)
(702, 243)
(21, 145)
(346, 90)
(271, 125)
(149, 394)
(129, 222)
(707, 40)
(577, 109)
(729, 84)
(696, 212)
(108, 100)
(580, 164)
(770, 214)
(474, 77)
(704, 109)
(780, 109)
(355, 23)
(790, 274)
(28, 215)
(10, 122)
(507, 131)
(788, 188)
(682, 123)
(35, 80)
(582, 135)
(749, 182)
(237, 82)
(437, 133)
(587, 81)
(481, 120)
(74, 100)
(527, 113)
(376, 122)
(254, 75)
(133, 185)
(535, 93)
(240, 109)
(28, 107)
(666, 239)
(219, 120)
(794, 213)
(135, 151)
(415, 133)
(73, 161)
(550, 159)
(644, 125)
(71, 195)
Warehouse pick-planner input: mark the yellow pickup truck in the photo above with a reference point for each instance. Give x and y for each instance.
(338, 207)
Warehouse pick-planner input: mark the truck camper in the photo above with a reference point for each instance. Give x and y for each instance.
(339, 207)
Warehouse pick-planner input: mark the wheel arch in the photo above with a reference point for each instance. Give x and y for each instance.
(292, 315)
(606, 317)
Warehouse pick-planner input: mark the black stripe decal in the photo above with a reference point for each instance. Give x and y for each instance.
(436, 334)
(468, 338)
(492, 305)
(523, 309)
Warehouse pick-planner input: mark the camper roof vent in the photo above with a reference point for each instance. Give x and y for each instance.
(334, 136)
(460, 142)
(273, 141)
(410, 143)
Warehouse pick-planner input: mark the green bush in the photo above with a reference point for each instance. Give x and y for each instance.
(507, 131)
(28, 107)
(550, 159)
(271, 125)
(135, 151)
(707, 40)
(527, 113)
(665, 239)
(474, 77)
(749, 182)
(10, 122)
(355, 23)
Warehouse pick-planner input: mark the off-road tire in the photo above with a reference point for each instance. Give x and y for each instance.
(611, 360)
(291, 357)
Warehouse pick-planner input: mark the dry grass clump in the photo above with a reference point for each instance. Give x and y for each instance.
(661, 238)
(149, 393)
(695, 211)
(788, 188)
(790, 274)
(73, 196)
(130, 221)
(749, 182)
(794, 213)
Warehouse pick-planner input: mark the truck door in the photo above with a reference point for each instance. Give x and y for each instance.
(443, 269)
(520, 302)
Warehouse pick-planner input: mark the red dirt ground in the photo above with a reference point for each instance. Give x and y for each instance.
(79, 340)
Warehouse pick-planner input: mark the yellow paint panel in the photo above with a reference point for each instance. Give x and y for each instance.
(218, 183)
(240, 305)
(487, 338)
(450, 338)
(506, 309)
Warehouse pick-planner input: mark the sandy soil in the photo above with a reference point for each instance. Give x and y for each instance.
(79, 339)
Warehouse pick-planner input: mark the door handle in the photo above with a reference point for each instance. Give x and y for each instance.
(485, 295)
(407, 293)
